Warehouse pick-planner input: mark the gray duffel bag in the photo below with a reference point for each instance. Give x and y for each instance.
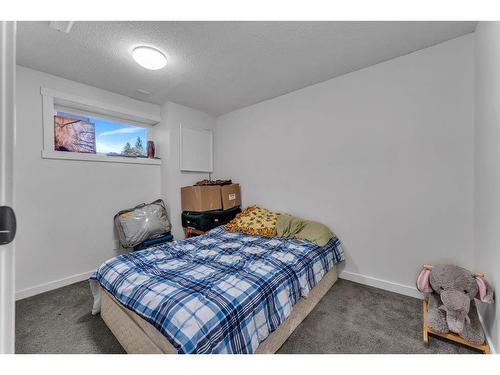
(141, 223)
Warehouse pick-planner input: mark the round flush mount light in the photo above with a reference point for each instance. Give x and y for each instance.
(149, 58)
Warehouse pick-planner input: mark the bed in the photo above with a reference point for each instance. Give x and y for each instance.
(220, 292)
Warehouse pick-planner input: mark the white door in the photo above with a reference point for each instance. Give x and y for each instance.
(7, 219)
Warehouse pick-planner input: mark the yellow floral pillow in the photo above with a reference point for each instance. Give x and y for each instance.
(254, 220)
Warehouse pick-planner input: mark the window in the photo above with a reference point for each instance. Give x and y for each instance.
(77, 133)
(84, 129)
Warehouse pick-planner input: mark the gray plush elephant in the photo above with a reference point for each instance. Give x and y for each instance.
(451, 291)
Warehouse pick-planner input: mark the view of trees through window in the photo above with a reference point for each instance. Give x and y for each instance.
(138, 149)
(75, 133)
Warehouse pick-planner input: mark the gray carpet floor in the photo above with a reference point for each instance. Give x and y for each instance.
(351, 318)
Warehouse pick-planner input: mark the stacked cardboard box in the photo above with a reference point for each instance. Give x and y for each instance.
(210, 197)
(205, 207)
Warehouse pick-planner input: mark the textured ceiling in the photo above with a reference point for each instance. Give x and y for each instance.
(221, 66)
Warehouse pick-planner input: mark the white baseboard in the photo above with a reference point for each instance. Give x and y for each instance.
(488, 337)
(407, 290)
(41, 288)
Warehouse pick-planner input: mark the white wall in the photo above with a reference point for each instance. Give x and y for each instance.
(487, 166)
(167, 137)
(65, 208)
(384, 156)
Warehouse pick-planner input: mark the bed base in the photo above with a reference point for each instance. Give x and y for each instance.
(137, 336)
(449, 336)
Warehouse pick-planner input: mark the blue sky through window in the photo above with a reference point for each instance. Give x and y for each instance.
(111, 136)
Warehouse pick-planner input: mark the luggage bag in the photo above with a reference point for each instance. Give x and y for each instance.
(208, 220)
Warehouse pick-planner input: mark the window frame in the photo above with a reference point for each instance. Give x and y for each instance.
(118, 121)
(53, 101)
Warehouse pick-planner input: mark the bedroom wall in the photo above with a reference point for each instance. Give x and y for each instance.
(487, 167)
(383, 156)
(65, 208)
(167, 136)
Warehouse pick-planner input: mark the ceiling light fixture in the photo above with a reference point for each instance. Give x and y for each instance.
(149, 58)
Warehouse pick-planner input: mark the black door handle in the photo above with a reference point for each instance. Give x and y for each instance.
(7, 225)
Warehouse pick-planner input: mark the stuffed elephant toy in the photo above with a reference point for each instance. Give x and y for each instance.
(451, 291)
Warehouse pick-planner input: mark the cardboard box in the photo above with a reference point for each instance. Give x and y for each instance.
(201, 198)
(231, 196)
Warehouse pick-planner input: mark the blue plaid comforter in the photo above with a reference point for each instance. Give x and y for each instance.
(221, 292)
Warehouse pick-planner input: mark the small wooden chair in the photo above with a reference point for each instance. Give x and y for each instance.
(449, 336)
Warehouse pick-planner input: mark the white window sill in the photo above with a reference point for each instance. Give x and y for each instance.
(97, 157)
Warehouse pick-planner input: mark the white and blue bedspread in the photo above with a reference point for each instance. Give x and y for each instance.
(221, 292)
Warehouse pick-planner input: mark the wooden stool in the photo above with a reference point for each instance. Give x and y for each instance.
(449, 336)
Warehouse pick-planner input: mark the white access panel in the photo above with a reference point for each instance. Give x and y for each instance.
(196, 149)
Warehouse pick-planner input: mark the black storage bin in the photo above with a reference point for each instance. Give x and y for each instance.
(209, 219)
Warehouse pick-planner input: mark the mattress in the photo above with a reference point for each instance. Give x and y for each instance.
(137, 336)
(217, 293)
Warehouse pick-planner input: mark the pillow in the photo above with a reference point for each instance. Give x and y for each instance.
(254, 220)
(288, 226)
